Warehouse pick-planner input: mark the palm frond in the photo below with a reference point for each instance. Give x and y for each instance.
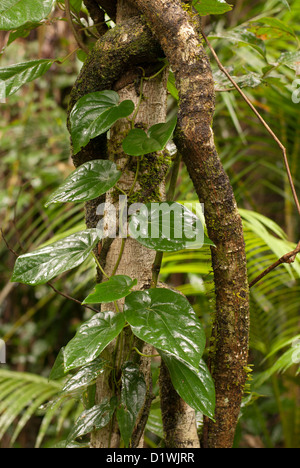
(22, 395)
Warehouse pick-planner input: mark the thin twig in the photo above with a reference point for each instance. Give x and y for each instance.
(66, 296)
(264, 123)
(74, 30)
(287, 258)
(7, 245)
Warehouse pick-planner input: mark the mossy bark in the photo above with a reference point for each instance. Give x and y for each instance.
(178, 36)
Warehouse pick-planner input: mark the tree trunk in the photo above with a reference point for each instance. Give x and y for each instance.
(182, 45)
(115, 62)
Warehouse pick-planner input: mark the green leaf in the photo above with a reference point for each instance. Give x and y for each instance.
(133, 396)
(193, 384)
(89, 181)
(167, 227)
(85, 377)
(15, 76)
(42, 265)
(94, 418)
(58, 369)
(251, 79)
(94, 114)
(211, 7)
(286, 3)
(172, 86)
(290, 59)
(138, 143)
(166, 320)
(75, 5)
(112, 290)
(15, 13)
(23, 31)
(243, 38)
(92, 338)
(272, 28)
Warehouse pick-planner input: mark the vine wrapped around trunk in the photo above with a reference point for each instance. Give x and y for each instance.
(177, 35)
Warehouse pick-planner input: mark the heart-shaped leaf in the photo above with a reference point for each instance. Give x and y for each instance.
(15, 13)
(166, 320)
(15, 76)
(92, 338)
(94, 114)
(211, 7)
(42, 265)
(193, 384)
(138, 142)
(133, 396)
(112, 290)
(167, 227)
(94, 418)
(89, 181)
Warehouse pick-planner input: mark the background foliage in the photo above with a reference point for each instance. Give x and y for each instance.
(35, 159)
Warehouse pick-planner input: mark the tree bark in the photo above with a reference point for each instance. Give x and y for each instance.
(175, 30)
(179, 420)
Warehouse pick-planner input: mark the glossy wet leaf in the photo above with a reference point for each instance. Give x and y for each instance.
(94, 418)
(42, 265)
(89, 181)
(138, 142)
(15, 13)
(133, 396)
(167, 227)
(193, 384)
(112, 290)
(166, 320)
(211, 7)
(15, 76)
(86, 376)
(94, 114)
(92, 338)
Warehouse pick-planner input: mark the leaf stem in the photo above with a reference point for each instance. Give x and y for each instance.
(74, 30)
(99, 266)
(156, 74)
(136, 177)
(145, 355)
